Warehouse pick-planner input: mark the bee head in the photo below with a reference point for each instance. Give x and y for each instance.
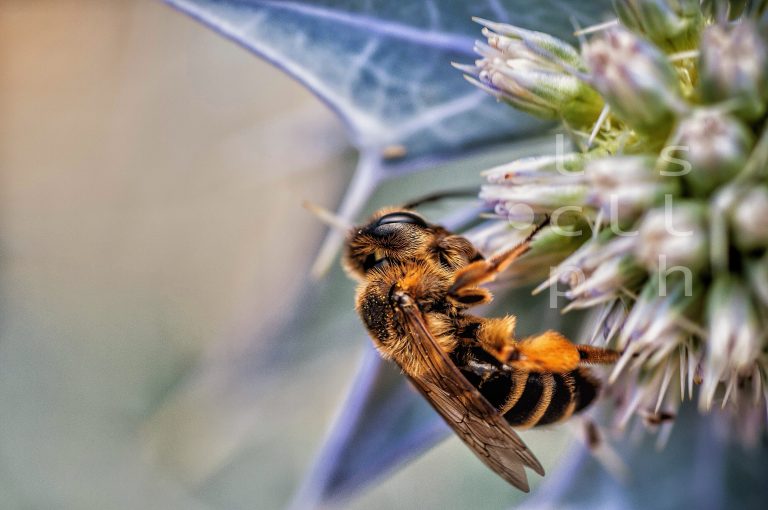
(389, 236)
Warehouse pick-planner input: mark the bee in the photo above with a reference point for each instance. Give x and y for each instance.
(417, 282)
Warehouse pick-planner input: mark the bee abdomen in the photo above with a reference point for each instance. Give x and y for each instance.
(526, 399)
(528, 408)
(497, 387)
(562, 402)
(586, 388)
(551, 397)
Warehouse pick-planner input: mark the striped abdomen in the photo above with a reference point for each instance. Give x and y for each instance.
(528, 399)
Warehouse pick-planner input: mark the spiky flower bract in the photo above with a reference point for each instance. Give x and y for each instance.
(660, 215)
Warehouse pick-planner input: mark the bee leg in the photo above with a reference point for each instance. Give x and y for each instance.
(548, 352)
(497, 337)
(471, 296)
(552, 352)
(483, 370)
(592, 435)
(483, 271)
(591, 355)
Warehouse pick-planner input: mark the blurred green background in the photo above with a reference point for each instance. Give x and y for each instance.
(161, 343)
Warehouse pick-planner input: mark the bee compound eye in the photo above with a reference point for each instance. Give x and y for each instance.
(401, 217)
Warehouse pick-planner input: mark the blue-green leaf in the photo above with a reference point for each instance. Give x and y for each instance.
(384, 67)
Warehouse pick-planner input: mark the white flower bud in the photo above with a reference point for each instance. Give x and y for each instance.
(604, 283)
(547, 49)
(624, 186)
(671, 24)
(545, 93)
(529, 70)
(733, 67)
(715, 144)
(538, 169)
(673, 236)
(749, 219)
(541, 198)
(734, 331)
(636, 80)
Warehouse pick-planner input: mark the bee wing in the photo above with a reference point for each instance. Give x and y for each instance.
(467, 412)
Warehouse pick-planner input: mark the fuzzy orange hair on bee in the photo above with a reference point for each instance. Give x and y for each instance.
(417, 284)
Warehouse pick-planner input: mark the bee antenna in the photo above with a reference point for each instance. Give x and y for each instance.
(327, 217)
(440, 195)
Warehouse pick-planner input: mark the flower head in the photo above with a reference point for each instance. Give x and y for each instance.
(663, 213)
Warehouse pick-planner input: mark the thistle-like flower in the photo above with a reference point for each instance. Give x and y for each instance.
(662, 214)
